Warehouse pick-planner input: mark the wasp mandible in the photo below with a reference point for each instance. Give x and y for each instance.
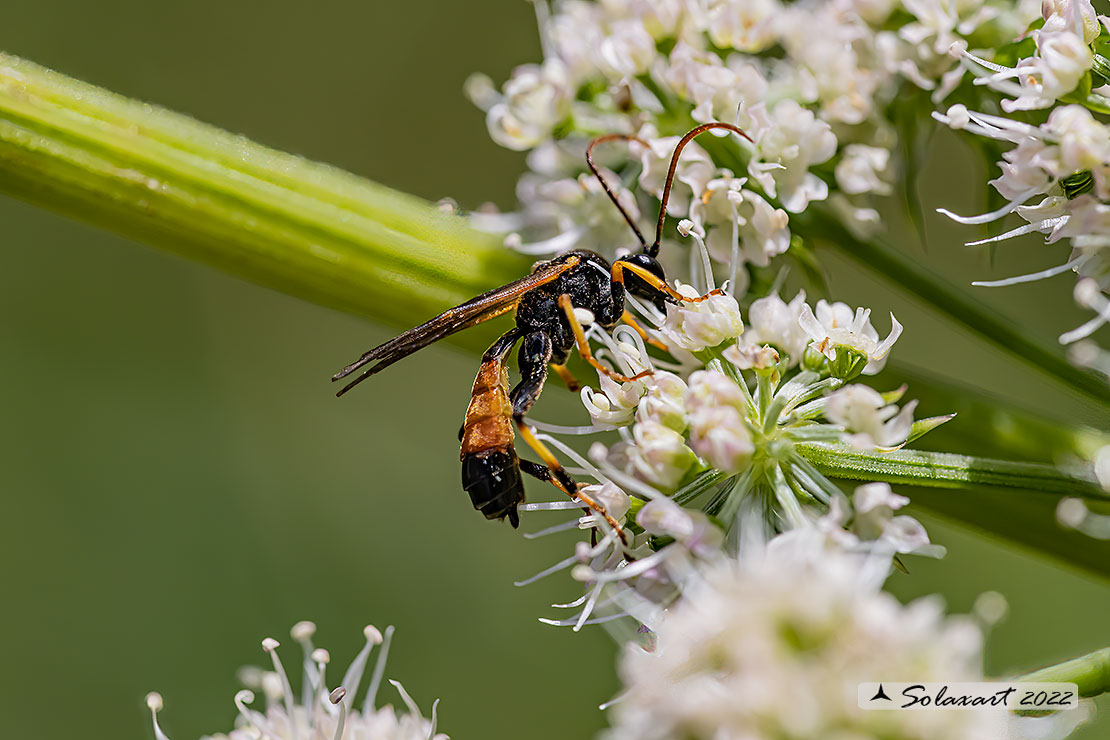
(547, 329)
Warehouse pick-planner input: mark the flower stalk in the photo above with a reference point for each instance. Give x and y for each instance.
(1090, 673)
(301, 227)
(944, 470)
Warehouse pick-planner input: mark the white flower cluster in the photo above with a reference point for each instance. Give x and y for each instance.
(719, 437)
(774, 645)
(1057, 175)
(810, 82)
(318, 713)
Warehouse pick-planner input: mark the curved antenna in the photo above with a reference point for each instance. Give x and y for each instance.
(653, 250)
(605, 185)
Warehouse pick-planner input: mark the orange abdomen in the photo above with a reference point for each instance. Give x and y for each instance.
(488, 424)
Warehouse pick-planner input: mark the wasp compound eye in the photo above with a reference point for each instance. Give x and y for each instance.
(639, 287)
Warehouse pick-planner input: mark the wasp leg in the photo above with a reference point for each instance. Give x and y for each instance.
(629, 319)
(568, 377)
(584, 345)
(654, 281)
(535, 353)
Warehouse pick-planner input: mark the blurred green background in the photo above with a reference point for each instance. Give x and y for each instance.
(179, 481)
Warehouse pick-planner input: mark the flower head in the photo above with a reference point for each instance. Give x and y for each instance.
(848, 339)
(775, 644)
(319, 712)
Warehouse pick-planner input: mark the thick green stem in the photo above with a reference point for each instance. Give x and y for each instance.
(1091, 673)
(895, 266)
(944, 470)
(304, 228)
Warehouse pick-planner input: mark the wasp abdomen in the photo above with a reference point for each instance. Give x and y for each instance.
(490, 469)
(492, 478)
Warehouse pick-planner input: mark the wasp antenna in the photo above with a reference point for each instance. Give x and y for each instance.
(605, 185)
(653, 250)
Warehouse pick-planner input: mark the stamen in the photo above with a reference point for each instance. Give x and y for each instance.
(1046, 225)
(353, 676)
(563, 527)
(336, 698)
(573, 622)
(413, 709)
(551, 506)
(321, 658)
(270, 645)
(154, 703)
(686, 228)
(435, 720)
(253, 718)
(562, 564)
(993, 215)
(302, 632)
(1031, 277)
(589, 608)
(379, 669)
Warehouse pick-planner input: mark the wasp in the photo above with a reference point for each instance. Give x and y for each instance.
(547, 329)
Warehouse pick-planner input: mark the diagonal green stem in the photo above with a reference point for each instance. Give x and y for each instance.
(893, 265)
(1091, 673)
(944, 470)
(304, 228)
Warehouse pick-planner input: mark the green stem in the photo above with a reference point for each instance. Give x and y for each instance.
(1091, 673)
(298, 226)
(895, 266)
(944, 470)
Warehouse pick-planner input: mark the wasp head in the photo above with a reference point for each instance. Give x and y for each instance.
(640, 287)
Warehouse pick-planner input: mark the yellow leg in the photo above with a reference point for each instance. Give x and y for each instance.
(562, 480)
(584, 345)
(567, 376)
(654, 281)
(629, 319)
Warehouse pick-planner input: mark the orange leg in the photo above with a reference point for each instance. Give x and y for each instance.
(584, 345)
(629, 319)
(567, 376)
(562, 480)
(652, 280)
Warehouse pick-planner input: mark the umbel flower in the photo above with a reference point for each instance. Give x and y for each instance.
(317, 713)
(774, 645)
(1057, 175)
(718, 433)
(811, 81)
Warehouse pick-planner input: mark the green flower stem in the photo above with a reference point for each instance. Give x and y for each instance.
(298, 226)
(895, 266)
(1091, 673)
(944, 470)
(990, 426)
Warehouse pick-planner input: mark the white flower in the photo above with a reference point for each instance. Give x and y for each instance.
(834, 327)
(658, 455)
(716, 411)
(535, 99)
(1063, 60)
(863, 169)
(626, 51)
(744, 25)
(874, 505)
(663, 402)
(776, 644)
(701, 325)
(1076, 16)
(872, 422)
(772, 321)
(318, 712)
(790, 141)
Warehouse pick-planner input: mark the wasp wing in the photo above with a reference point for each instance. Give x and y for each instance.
(483, 308)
